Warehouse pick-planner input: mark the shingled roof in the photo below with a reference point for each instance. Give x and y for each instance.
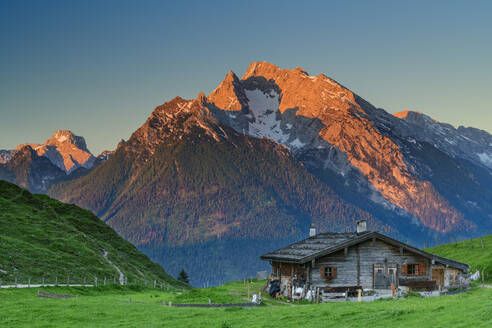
(329, 242)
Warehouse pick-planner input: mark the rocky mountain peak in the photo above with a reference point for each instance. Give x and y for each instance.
(229, 95)
(307, 112)
(201, 98)
(66, 136)
(405, 113)
(174, 120)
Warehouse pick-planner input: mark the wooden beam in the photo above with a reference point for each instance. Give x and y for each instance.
(357, 249)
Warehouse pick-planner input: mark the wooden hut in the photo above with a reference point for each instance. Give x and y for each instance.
(360, 260)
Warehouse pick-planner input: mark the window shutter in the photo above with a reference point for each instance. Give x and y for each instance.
(404, 270)
(333, 272)
(422, 269)
(322, 272)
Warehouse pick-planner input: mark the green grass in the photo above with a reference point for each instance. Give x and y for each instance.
(44, 238)
(477, 257)
(111, 307)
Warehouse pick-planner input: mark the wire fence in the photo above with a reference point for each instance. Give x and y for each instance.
(85, 282)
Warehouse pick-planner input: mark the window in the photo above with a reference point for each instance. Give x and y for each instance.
(412, 269)
(328, 272)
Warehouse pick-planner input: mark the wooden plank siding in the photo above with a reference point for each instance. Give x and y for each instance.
(357, 266)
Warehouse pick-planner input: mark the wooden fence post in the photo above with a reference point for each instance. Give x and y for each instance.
(84, 280)
(481, 241)
(483, 278)
(154, 283)
(56, 281)
(104, 281)
(29, 282)
(15, 281)
(95, 281)
(42, 283)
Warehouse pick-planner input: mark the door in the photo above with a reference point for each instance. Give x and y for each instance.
(385, 275)
(392, 275)
(438, 276)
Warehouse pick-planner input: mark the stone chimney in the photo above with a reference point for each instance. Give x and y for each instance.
(312, 230)
(361, 226)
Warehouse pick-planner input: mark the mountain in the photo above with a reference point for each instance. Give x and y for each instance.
(248, 168)
(62, 157)
(184, 185)
(44, 238)
(65, 150)
(5, 156)
(471, 144)
(31, 171)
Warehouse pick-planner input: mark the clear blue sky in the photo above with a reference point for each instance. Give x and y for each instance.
(99, 68)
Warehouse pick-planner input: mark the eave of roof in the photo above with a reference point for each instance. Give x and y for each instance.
(355, 241)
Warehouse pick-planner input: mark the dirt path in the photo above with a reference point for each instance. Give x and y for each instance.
(122, 276)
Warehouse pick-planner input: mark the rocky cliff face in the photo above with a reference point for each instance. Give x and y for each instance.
(472, 144)
(315, 114)
(67, 151)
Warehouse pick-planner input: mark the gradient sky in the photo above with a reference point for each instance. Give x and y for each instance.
(99, 68)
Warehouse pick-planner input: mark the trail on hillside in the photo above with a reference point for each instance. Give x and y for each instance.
(122, 276)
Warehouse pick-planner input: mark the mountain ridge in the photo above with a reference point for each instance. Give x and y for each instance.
(262, 157)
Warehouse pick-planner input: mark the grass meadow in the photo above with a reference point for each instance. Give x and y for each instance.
(139, 307)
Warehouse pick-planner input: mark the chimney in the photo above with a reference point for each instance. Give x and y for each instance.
(361, 226)
(312, 230)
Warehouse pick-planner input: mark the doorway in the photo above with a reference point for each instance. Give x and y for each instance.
(438, 276)
(385, 275)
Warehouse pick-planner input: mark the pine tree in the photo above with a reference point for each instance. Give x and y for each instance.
(183, 277)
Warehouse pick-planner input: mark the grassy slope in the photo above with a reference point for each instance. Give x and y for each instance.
(110, 308)
(476, 256)
(41, 237)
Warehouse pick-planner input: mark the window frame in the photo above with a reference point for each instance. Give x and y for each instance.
(415, 269)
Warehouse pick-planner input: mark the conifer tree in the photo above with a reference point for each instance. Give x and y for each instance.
(183, 277)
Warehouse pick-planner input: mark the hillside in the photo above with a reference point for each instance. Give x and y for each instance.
(43, 238)
(469, 252)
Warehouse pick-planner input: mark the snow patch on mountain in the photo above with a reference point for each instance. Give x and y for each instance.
(485, 158)
(265, 122)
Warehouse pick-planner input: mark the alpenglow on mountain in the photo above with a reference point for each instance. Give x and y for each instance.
(36, 167)
(223, 177)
